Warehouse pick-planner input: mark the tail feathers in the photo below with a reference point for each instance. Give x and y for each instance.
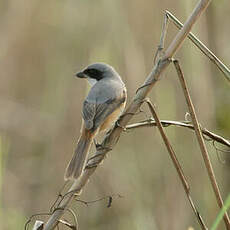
(78, 161)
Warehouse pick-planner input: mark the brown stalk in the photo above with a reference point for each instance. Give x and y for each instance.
(176, 164)
(167, 123)
(201, 142)
(223, 68)
(183, 33)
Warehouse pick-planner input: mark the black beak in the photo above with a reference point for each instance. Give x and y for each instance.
(81, 75)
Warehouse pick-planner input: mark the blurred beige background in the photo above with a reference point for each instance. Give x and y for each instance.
(42, 45)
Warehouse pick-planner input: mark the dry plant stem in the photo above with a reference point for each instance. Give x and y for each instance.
(224, 69)
(162, 39)
(167, 123)
(70, 226)
(176, 163)
(111, 139)
(164, 32)
(201, 142)
(177, 42)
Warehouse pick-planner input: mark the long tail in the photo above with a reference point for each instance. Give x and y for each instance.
(78, 161)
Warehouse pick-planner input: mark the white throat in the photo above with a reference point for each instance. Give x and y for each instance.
(91, 81)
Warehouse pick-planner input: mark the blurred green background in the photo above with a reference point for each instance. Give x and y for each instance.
(42, 45)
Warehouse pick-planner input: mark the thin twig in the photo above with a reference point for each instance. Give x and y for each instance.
(111, 139)
(110, 200)
(64, 222)
(201, 142)
(167, 123)
(74, 217)
(159, 52)
(176, 164)
(223, 68)
(177, 42)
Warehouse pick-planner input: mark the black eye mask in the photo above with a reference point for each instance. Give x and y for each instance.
(94, 73)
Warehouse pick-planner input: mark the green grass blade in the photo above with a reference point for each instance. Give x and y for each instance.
(221, 213)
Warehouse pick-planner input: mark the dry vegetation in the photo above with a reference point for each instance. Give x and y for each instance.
(42, 45)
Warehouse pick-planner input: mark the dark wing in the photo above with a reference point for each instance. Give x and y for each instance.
(88, 113)
(94, 114)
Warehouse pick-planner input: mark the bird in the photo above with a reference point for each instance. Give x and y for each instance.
(101, 108)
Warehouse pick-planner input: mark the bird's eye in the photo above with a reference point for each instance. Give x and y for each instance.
(94, 73)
